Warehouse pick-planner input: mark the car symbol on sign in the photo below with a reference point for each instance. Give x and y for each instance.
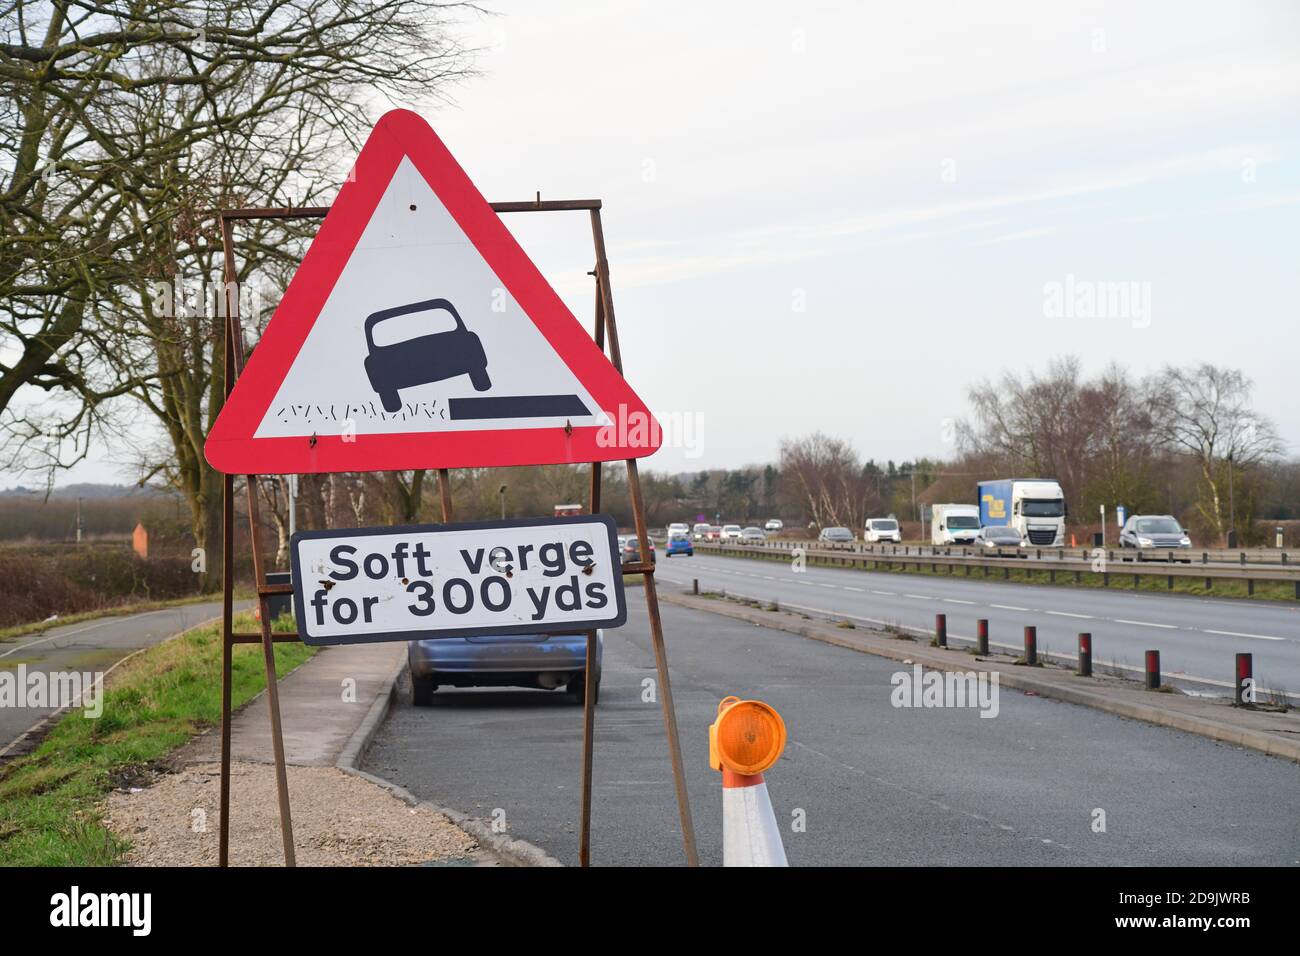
(427, 358)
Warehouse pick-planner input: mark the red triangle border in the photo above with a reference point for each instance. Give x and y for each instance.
(231, 447)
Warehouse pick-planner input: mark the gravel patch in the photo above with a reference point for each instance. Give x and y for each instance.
(338, 820)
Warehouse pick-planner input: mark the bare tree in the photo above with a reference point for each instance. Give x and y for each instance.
(129, 125)
(99, 101)
(1038, 424)
(1204, 412)
(410, 493)
(825, 474)
(274, 490)
(1095, 435)
(1124, 456)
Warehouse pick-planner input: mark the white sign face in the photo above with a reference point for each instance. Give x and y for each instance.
(445, 345)
(541, 575)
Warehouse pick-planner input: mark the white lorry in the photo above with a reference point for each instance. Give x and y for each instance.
(1035, 507)
(954, 524)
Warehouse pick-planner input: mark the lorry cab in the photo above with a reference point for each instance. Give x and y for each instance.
(954, 524)
(1035, 507)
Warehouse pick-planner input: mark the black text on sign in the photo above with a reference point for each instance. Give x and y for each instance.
(384, 584)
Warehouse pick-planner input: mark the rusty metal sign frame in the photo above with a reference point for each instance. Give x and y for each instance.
(606, 338)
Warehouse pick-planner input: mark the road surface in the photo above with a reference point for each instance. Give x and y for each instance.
(1197, 637)
(91, 646)
(875, 784)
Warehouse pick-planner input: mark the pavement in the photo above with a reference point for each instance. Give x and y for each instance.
(91, 646)
(324, 703)
(1197, 637)
(861, 781)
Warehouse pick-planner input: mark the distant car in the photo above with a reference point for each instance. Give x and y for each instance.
(836, 536)
(882, 529)
(678, 527)
(773, 524)
(545, 661)
(999, 539)
(426, 358)
(714, 533)
(629, 549)
(1153, 531)
(700, 532)
(679, 543)
(752, 534)
(731, 532)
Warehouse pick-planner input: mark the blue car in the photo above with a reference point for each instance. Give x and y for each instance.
(679, 544)
(546, 661)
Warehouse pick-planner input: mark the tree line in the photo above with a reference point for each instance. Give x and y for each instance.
(1180, 440)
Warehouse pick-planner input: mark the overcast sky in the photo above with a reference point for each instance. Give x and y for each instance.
(837, 215)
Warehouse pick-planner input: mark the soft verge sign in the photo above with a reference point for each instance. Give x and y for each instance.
(541, 575)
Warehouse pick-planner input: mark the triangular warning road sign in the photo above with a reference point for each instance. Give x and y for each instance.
(418, 334)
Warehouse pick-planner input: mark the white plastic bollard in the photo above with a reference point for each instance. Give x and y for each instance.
(746, 739)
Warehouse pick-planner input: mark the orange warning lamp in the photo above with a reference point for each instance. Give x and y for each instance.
(746, 738)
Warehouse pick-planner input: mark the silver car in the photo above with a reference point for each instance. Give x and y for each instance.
(1153, 531)
(545, 661)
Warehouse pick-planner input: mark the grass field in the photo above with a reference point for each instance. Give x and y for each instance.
(156, 701)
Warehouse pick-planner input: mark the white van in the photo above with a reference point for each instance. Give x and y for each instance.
(882, 529)
(954, 524)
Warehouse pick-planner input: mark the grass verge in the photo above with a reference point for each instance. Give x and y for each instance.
(50, 799)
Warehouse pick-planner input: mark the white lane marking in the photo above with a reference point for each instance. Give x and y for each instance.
(832, 586)
(919, 597)
(88, 627)
(1016, 648)
(1258, 637)
(1010, 607)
